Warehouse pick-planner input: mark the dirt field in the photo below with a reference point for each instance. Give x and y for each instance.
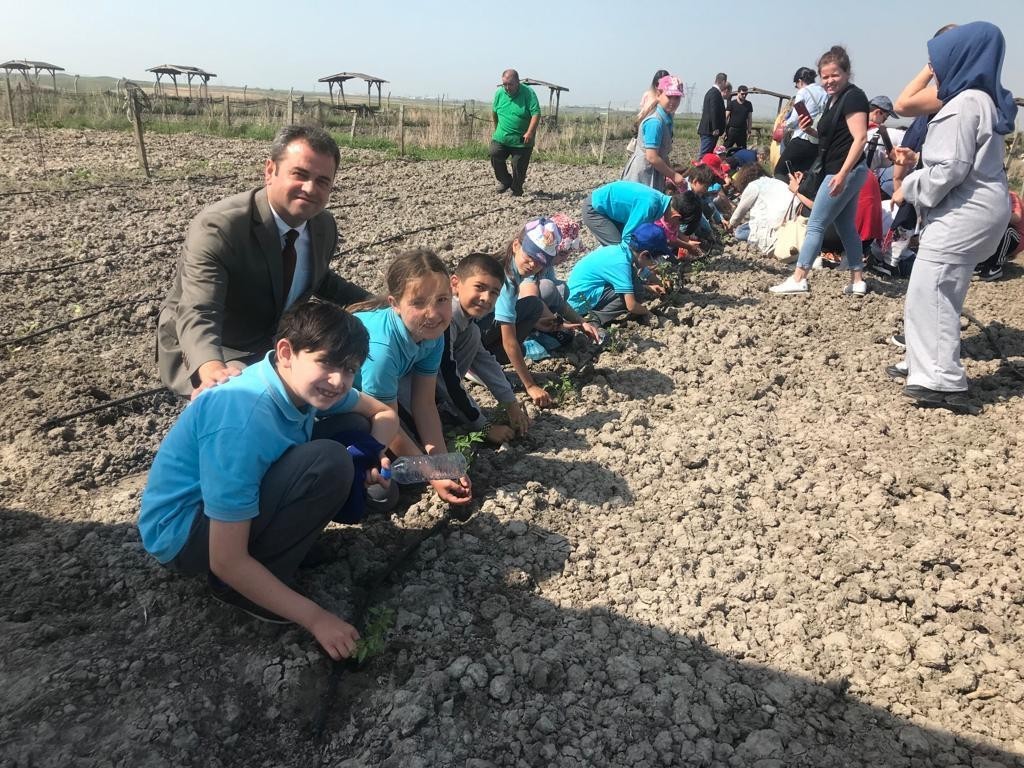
(734, 545)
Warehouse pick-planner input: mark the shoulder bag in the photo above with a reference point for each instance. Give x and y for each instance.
(814, 175)
(791, 233)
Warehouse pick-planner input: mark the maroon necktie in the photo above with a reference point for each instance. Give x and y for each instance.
(288, 257)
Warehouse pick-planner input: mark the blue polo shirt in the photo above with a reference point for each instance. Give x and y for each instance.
(505, 306)
(608, 266)
(217, 453)
(654, 127)
(630, 204)
(393, 354)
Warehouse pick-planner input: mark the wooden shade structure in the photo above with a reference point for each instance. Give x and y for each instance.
(339, 80)
(173, 70)
(23, 66)
(554, 96)
(782, 97)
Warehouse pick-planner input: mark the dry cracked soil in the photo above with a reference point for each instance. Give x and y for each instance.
(733, 543)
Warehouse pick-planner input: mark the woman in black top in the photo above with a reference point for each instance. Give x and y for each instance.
(842, 133)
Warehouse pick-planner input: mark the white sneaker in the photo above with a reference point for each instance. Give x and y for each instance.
(860, 288)
(816, 264)
(470, 376)
(789, 285)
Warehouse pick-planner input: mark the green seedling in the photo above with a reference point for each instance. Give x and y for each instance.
(562, 389)
(614, 341)
(466, 444)
(378, 621)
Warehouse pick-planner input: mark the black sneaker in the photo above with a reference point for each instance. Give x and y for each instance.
(988, 274)
(881, 268)
(957, 402)
(898, 340)
(224, 594)
(894, 372)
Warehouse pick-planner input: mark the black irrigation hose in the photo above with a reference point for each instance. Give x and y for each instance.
(66, 417)
(72, 321)
(65, 265)
(991, 337)
(371, 587)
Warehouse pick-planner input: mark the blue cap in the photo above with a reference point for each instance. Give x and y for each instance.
(650, 238)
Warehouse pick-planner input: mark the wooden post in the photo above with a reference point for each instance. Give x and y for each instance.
(10, 98)
(227, 110)
(291, 106)
(268, 109)
(352, 131)
(320, 113)
(604, 133)
(244, 99)
(141, 143)
(401, 131)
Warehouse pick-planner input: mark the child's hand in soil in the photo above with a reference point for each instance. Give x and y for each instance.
(336, 636)
(454, 491)
(540, 396)
(498, 434)
(517, 418)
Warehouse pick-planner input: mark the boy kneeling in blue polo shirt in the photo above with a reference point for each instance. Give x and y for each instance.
(240, 491)
(605, 284)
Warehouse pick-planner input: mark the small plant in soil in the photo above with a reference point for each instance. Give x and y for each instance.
(562, 389)
(466, 444)
(378, 621)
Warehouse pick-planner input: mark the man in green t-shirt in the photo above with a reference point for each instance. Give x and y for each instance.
(516, 112)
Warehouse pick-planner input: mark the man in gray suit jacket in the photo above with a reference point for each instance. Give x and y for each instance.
(248, 258)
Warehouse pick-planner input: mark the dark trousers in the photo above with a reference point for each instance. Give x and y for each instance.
(1009, 243)
(736, 138)
(612, 306)
(606, 231)
(799, 154)
(500, 154)
(528, 312)
(707, 144)
(299, 495)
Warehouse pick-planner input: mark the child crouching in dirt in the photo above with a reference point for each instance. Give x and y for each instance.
(514, 317)
(558, 320)
(239, 490)
(406, 327)
(604, 284)
(476, 283)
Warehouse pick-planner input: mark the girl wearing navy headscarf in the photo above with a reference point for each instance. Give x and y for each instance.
(962, 199)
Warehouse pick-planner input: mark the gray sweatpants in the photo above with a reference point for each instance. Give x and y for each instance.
(299, 495)
(931, 323)
(606, 231)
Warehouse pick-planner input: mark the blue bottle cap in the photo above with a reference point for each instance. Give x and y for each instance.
(385, 473)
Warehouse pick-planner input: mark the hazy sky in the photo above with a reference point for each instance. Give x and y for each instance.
(601, 50)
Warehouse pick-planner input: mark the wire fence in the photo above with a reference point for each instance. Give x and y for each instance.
(584, 136)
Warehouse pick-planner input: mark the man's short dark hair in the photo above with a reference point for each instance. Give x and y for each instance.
(721, 78)
(319, 141)
(477, 263)
(317, 326)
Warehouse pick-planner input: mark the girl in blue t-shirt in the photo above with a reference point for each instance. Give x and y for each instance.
(406, 327)
(514, 318)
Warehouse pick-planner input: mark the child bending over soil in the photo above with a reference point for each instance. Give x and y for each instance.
(239, 490)
(604, 284)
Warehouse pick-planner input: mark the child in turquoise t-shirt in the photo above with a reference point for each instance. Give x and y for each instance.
(242, 485)
(406, 327)
(604, 284)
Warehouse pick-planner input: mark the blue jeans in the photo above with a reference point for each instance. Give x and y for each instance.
(840, 210)
(742, 232)
(707, 144)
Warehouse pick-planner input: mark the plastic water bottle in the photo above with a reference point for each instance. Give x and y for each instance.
(418, 469)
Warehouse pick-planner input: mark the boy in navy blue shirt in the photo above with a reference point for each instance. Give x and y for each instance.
(240, 491)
